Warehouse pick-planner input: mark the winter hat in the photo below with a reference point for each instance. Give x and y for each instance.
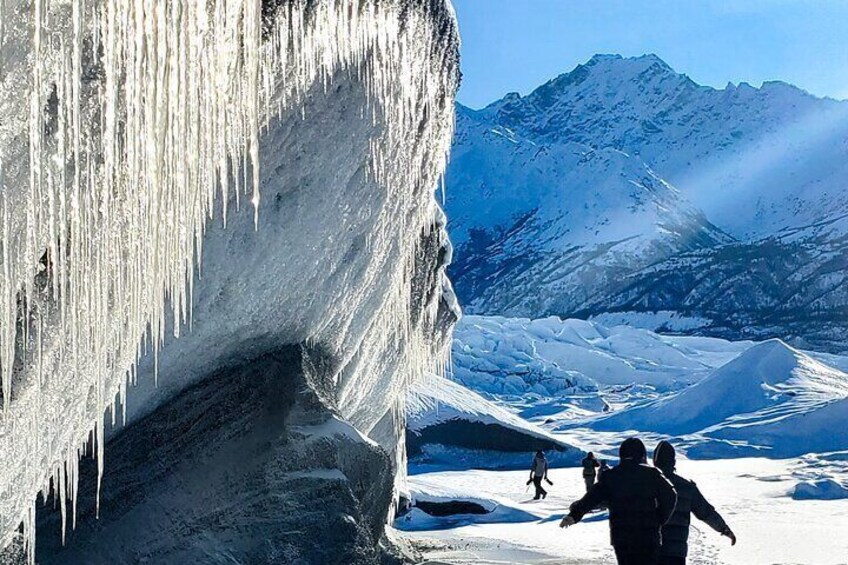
(664, 457)
(632, 448)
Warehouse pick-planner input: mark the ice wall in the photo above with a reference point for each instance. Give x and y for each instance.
(129, 128)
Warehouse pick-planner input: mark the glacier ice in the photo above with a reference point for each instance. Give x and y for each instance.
(138, 126)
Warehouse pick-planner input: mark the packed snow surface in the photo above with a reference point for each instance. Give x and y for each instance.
(751, 494)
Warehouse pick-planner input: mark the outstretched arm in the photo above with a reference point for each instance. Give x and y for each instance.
(705, 512)
(596, 496)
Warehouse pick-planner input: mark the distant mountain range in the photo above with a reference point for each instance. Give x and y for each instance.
(625, 190)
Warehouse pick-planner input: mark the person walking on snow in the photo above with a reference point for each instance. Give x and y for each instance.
(675, 533)
(538, 472)
(640, 501)
(589, 465)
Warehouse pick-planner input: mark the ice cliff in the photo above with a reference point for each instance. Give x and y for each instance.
(220, 252)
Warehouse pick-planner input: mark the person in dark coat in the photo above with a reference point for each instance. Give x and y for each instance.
(640, 501)
(675, 533)
(589, 465)
(538, 472)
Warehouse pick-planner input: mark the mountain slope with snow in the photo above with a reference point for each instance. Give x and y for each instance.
(623, 186)
(756, 160)
(570, 217)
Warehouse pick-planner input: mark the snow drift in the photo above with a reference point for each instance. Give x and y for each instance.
(772, 399)
(124, 165)
(450, 426)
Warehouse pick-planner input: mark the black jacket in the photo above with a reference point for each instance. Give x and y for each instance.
(589, 466)
(640, 501)
(675, 533)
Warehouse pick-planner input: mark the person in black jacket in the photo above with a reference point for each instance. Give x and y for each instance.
(640, 501)
(589, 464)
(675, 533)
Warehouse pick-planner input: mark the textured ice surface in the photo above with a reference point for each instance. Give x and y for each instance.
(551, 357)
(725, 398)
(141, 126)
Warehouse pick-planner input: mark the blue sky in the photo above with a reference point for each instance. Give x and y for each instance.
(515, 45)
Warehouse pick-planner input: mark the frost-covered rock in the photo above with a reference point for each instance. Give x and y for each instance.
(248, 466)
(338, 115)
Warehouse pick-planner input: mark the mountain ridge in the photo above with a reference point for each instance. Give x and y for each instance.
(563, 201)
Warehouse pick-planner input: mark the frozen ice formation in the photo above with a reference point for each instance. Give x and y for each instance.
(136, 139)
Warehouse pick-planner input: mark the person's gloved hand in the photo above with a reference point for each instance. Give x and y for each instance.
(729, 533)
(529, 481)
(567, 522)
(549, 482)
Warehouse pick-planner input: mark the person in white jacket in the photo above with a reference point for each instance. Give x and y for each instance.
(538, 473)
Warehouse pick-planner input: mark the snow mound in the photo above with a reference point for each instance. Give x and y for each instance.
(772, 399)
(429, 497)
(450, 425)
(824, 489)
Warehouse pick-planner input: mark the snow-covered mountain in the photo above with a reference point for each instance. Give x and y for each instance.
(567, 200)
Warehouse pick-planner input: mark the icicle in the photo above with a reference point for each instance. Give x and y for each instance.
(140, 116)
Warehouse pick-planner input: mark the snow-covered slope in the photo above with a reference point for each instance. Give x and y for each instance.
(790, 286)
(114, 199)
(756, 160)
(450, 426)
(568, 217)
(623, 186)
(771, 398)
